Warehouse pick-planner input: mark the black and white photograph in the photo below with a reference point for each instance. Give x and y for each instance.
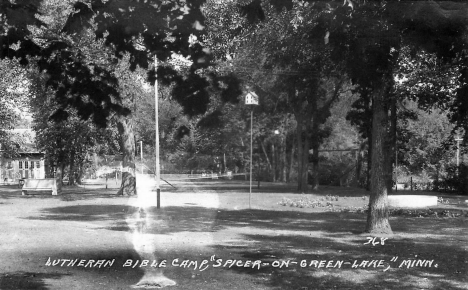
(233, 144)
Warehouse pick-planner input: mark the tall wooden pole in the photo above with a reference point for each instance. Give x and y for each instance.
(251, 150)
(251, 99)
(156, 111)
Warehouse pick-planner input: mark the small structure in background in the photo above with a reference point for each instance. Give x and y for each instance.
(251, 98)
(25, 165)
(25, 162)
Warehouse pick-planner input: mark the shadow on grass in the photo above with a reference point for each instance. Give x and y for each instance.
(273, 235)
(198, 219)
(85, 213)
(113, 276)
(166, 220)
(9, 191)
(450, 273)
(26, 280)
(69, 193)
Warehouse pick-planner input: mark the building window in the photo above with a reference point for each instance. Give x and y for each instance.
(32, 164)
(26, 164)
(38, 164)
(20, 164)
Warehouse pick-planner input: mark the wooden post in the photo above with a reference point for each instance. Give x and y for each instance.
(251, 150)
(156, 111)
(251, 99)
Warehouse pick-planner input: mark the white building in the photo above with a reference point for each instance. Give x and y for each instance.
(27, 162)
(25, 165)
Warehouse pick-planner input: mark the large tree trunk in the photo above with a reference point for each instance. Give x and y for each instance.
(125, 127)
(394, 138)
(390, 145)
(377, 218)
(369, 163)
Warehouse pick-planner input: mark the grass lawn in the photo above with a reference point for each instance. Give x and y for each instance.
(282, 240)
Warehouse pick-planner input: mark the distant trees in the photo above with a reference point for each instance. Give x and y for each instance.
(284, 61)
(14, 93)
(429, 148)
(68, 144)
(427, 87)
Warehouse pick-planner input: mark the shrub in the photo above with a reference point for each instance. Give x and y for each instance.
(455, 181)
(305, 202)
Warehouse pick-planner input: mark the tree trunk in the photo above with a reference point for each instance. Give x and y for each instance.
(273, 161)
(243, 161)
(291, 164)
(390, 145)
(369, 163)
(305, 163)
(359, 165)
(302, 153)
(300, 149)
(283, 160)
(377, 218)
(265, 153)
(303, 147)
(224, 162)
(59, 176)
(71, 173)
(125, 127)
(315, 166)
(80, 173)
(315, 148)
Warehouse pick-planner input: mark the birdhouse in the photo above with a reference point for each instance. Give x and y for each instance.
(251, 99)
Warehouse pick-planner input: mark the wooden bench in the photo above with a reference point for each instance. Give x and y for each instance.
(49, 184)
